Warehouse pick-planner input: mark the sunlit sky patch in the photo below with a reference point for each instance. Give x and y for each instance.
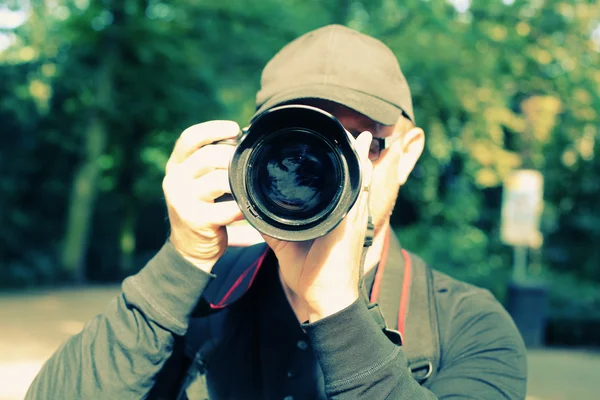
(9, 19)
(463, 5)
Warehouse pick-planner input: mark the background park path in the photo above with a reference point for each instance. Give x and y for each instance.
(34, 323)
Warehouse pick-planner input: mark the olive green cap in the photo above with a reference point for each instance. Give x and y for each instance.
(342, 65)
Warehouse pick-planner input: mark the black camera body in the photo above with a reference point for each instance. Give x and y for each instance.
(295, 172)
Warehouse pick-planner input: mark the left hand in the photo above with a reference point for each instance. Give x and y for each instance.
(324, 272)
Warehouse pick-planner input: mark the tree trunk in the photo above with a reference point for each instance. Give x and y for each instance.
(128, 242)
(85, 182)
(82, 201)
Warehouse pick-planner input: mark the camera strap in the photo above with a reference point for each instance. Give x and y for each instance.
(373, 306)
(422, 349)
(374, 310)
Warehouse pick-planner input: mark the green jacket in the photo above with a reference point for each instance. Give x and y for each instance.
(127, 351)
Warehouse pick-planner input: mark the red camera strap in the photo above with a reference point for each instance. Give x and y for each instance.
(405, 294)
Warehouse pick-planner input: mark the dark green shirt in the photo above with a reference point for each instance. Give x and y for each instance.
(266, 354)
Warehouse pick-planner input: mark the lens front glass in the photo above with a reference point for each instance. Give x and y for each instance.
(296, 176)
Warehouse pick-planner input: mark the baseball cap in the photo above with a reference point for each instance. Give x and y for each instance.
(342, 65)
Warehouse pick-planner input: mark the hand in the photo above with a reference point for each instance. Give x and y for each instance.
(196, 174)
(324, 272)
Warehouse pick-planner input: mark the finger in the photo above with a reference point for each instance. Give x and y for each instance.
(200, 135)
(186, 193)
(271, 242)
(363, 208)
(208, 158)
(212, 185)
(363, 144)
(360, 210)
(225, 213)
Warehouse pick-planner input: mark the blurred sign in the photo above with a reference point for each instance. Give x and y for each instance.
(522, 206)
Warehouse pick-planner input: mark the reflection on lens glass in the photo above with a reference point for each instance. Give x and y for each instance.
(297, 176)
(295, 180)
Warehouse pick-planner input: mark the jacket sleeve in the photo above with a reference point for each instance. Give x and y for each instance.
(119, 353)
(485, 358)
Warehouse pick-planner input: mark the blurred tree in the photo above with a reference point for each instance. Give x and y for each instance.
(97, 92)
(496, 87)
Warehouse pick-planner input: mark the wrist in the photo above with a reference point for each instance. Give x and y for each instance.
(204, 264)
(330, 304)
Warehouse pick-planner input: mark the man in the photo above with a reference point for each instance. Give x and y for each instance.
(302, 329)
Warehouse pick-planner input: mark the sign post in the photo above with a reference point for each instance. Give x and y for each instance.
(522, 207)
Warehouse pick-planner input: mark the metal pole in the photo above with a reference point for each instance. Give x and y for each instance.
(520, 264)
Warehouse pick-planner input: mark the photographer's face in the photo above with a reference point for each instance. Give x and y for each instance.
(394, 164)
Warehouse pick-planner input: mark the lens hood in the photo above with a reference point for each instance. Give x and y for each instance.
(295, 173)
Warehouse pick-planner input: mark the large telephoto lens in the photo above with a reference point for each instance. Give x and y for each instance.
(295, 174)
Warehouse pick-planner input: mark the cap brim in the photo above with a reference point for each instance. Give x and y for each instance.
(373, 107)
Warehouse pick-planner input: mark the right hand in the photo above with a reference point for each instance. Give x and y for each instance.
(196, 174)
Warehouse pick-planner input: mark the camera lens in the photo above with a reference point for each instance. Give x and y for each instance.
(295, 176)
(295, 173)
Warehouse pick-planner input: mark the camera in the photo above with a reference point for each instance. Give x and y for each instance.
(295, 172)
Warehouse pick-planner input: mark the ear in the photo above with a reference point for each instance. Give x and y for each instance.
(412, 144)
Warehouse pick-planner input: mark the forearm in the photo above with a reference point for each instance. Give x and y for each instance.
(119, 353)
(359, 361)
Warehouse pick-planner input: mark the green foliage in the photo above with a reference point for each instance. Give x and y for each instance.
(495, 87)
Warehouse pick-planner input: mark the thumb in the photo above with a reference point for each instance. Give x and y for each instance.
(363, 146)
